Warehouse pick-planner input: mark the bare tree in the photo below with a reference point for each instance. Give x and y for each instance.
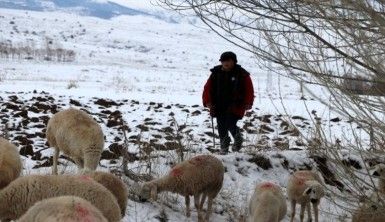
(28, 50)
(338, 44)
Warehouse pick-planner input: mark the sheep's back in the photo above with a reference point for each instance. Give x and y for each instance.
(114, 185)
(74, 128)
(267, 199)
(199, 174)
(63, 209)
(26, 191)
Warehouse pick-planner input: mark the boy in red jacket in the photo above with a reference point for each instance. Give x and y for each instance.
(228, 93)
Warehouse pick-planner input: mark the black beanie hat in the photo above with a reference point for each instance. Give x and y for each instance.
(227, 56)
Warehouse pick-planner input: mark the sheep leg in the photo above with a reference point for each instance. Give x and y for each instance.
(209, 207)
(302, 213)
(55, 161)
(315, 209)
(293, 203)
(187, 201)
(203, 200)
(309, 218)
(196, 203)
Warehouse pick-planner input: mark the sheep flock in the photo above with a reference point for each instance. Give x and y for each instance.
(96, 196)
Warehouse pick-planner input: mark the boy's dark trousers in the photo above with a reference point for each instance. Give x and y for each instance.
(228, 123)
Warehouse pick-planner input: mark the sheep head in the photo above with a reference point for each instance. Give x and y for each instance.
(314, 191)
(148, 190)
(379, 171)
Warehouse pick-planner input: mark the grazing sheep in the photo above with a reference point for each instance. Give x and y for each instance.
(305, 187)
(114, 185)
(10, 163)
(24, 192)
(268, 204)
(373, 209)
(201, 177)
(63, 209)
(78, 135)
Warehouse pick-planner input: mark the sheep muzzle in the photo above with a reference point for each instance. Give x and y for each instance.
(314, 201)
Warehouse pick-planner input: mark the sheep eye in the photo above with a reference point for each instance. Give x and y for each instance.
(308, 191)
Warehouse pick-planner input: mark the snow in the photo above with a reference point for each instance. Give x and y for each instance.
(152, 61)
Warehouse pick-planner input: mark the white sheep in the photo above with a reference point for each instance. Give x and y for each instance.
(201, 177)
(77, 135)
(305, 188)
(10, 163)
(63, 209)
(115, 185)
(373, 209)
(268, 204)
(24, 192)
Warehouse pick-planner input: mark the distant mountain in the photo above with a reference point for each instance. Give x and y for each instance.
(101, 9)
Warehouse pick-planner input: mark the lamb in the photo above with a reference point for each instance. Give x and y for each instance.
(305, 187)
(63, 209)
(201, 177)
(24, 192)
(268, 204)
(114, 185)
(77, 135)
(10, 163)
(373, 209)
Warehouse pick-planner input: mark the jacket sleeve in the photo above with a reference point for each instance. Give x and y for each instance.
(206, 97)
(249, 96)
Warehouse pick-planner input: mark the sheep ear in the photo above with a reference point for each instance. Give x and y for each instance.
(376, 174)
(307, 191)
(154, 193)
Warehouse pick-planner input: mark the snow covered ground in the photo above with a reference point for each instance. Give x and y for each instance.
(152, 72)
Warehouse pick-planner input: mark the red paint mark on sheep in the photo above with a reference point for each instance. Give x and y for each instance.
(83, 213)
(176, 172)
(301, 181)
(85, 178)
(268, 185)
(302, 176)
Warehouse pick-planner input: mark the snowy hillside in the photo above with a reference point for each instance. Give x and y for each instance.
(97, 8)
(151, 73)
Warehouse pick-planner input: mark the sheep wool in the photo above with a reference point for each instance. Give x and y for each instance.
(114, 185)
(201, 177)
(24, 192)
(63, 209)
(77, 135)
(268, 204)
(10, 163)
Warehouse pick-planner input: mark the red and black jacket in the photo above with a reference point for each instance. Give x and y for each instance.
(228, 92)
